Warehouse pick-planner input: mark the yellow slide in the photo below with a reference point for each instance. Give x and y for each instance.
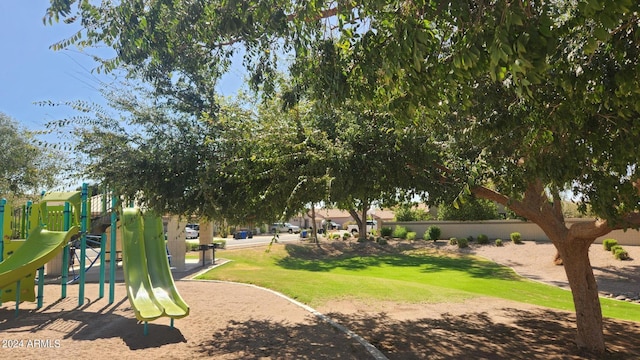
(41, 246)
(150, 286)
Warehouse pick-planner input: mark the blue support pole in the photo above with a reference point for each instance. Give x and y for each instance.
(3, 203)
(103, 245)
(83, 241)
(113, 257)
(17, 297)
(65, 254)
(40, 296)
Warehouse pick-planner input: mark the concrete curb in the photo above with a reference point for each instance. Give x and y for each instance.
(375, 353)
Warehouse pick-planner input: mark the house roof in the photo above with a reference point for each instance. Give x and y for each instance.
(330, 213)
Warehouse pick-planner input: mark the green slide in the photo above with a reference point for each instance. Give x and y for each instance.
(150, 287)
(41, 246)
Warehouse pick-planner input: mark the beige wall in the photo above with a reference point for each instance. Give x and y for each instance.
(501, 229)
(176, 240)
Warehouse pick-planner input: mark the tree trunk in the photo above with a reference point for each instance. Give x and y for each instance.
(575, 258)
(363, 228)
(573, 249)
(314, 227)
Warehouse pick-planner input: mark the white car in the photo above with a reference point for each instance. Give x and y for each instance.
(371, 225)
(191, 233)
(285, 227)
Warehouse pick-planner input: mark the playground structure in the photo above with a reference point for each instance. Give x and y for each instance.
(58, 226)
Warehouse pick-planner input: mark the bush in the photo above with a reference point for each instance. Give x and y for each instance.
(463, 243)
(609, 243)
(621, 254)
(400, 232)
(499, 242)
(386, 231)
(614, 248)
(381, 241)
(346, 236)
(483, 239)
(411, 235)
(433, 233)
(193, 245)
(360, 240)
(516, 237)
(469, 238)
(453, 241)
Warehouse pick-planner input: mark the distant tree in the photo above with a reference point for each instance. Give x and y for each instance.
(408, 212)
(26, 166)
(472, 209)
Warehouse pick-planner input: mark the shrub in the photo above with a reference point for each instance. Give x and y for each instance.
(463, 243)
(483, 239)
(360, 240)
(453, 241)
(381, 241)
(346, 236)
(386, 231)
(499, 242)
(371, 238)
(469, 238)
(621, 254)
(400, 232)
(609, 243)
(411, 235)
(433, 233)
(614, 248)
(516, 237)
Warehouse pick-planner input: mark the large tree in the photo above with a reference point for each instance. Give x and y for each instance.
(27, 167)
(526, 98)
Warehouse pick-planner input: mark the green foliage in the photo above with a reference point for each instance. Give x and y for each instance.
(470, 238)
(27, 167)
(433, 233)
(615, 248)
(463, 243)
(406, 212)
(483, 239)
(609, 243)
(472, 209)
(400, 232)
(411, 235)
(382, 241)
(453, 241)
(499, 242)
(346, 236)
(516, 237)
(621, 254)
(386, 231)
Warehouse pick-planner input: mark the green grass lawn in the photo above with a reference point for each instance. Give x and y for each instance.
(409, 277)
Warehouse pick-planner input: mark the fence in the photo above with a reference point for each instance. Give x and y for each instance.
(501, 229)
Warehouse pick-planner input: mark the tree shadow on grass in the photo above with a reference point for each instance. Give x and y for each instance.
(538, 334)
(301, 258)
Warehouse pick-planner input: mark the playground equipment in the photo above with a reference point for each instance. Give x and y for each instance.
(150, 286)
(60, 223)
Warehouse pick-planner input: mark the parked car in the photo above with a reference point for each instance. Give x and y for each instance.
(285, 227)
(330, 226)
(371, 225)
(191, 233)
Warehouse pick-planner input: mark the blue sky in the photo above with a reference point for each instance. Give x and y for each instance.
(31, 72)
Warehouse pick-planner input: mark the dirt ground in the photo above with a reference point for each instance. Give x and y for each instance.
(236, 321)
